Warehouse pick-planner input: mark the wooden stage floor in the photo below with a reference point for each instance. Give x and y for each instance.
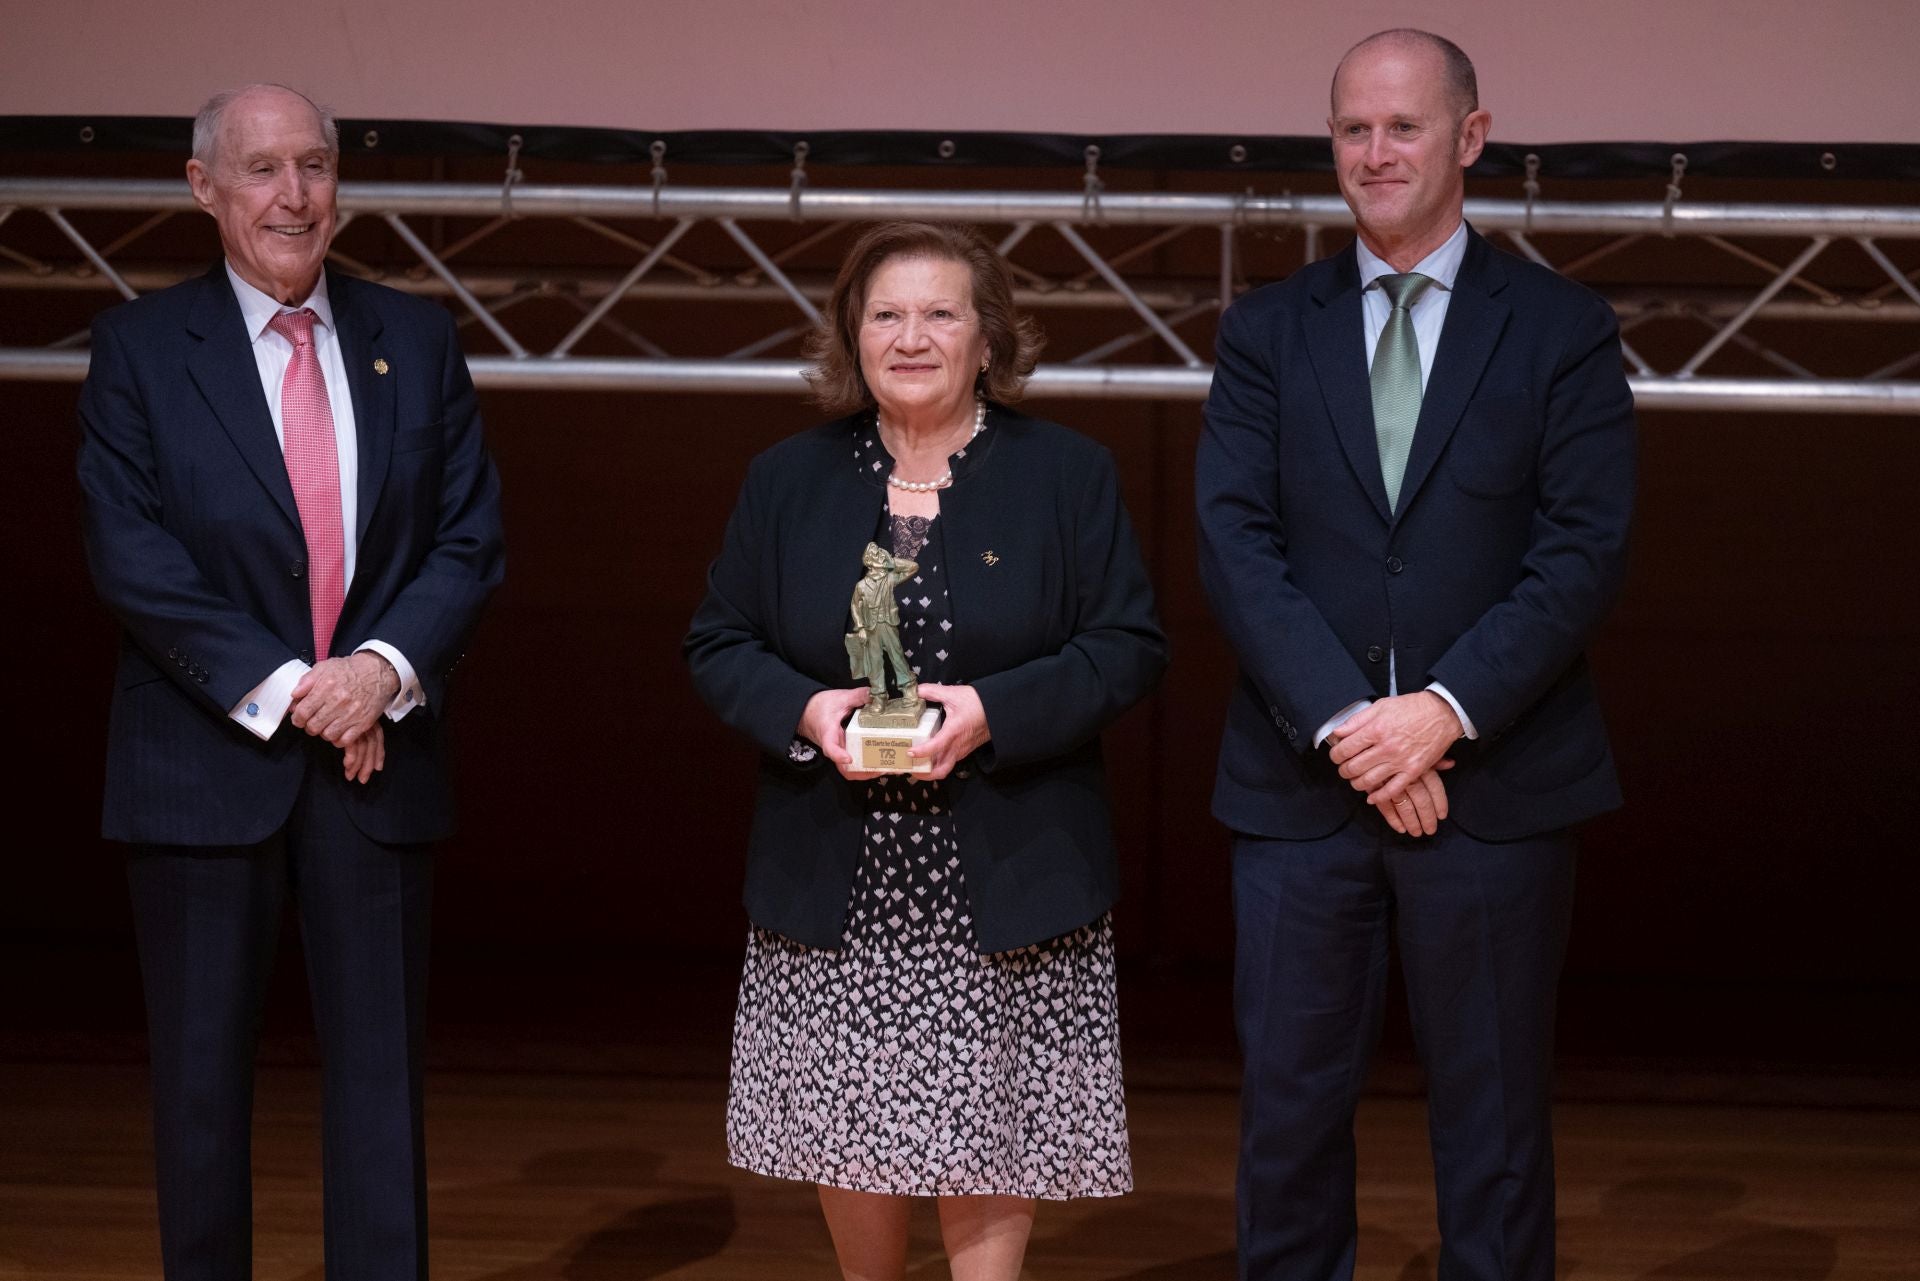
(623, 1178)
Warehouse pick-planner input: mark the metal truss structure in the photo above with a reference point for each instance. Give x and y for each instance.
(1735, 317)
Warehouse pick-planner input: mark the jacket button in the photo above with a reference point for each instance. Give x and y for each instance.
(1375, 654)
(174, 653)
(306, 656)
(298, 569)
(1394, 565)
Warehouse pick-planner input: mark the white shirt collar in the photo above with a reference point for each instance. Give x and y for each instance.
(1443, 264)
(258, 308)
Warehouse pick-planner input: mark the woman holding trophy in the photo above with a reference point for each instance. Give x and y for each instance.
(928, 1003)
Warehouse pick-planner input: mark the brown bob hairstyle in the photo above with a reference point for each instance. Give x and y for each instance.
(1013, 340)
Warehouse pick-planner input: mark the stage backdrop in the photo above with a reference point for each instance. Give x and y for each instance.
(1646, 70)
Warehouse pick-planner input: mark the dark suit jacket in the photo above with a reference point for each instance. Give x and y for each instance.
(1508, 548)
(1057, 634)
(196, 547)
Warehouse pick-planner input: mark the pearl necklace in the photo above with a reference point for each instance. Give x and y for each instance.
(945, 478)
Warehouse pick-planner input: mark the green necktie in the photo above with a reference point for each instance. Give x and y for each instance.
(1396, 381)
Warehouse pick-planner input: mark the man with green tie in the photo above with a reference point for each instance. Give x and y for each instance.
(1414, 489)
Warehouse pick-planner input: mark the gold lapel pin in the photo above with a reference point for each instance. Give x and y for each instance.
(989, 557)
(380, 366)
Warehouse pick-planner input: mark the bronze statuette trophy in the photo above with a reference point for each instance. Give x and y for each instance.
(880, 733)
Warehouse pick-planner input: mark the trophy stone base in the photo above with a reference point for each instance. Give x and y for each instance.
(882, 746)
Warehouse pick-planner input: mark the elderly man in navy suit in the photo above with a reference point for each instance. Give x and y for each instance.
(1414, 487)
(290, 511)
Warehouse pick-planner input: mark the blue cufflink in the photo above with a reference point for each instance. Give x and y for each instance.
(253, 709)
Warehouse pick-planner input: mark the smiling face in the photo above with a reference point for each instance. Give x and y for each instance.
(1400, 149)
(270, 185)
(920, 340)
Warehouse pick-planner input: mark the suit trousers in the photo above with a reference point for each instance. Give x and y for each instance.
(1481, 928)
(207, 920)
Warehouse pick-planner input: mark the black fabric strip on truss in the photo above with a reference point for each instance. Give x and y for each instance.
(1198, 152)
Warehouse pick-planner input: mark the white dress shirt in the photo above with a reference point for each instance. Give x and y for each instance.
(1429, 315)
(263, 707)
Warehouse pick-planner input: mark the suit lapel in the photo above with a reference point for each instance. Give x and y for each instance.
(372, 391)
(223, 368)
(1336, 343)
(1475, 321)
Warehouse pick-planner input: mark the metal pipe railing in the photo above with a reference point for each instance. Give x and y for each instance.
(1070, 382)
(1687, 218)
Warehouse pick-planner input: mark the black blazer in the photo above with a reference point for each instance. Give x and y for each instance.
(1508, 548)
(1055, 629)
(195, 546)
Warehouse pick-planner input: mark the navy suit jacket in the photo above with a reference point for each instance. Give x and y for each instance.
(1054, 627)
(1508, 547)
(196, 547)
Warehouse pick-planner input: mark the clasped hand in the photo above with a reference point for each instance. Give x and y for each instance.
(340, 700)
(823, 724)
(365, 755)
(1394, 750)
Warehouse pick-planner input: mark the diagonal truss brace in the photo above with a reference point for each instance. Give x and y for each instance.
(1160, 305)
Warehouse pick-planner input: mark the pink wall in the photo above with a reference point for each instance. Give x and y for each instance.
(1650, 70)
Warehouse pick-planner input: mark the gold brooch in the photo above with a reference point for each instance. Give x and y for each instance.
(989, 557)
(380, 366)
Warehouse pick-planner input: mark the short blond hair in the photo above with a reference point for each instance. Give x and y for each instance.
(1463, 86)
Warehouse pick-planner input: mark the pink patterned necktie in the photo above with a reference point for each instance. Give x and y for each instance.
(313, 465)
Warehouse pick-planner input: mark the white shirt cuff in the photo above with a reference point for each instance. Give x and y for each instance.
(262, 708)
(1466, 722)
(1338, 719)
(410, 695)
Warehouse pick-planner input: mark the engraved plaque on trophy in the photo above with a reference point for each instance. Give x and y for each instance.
(880, 733)
(884, 748)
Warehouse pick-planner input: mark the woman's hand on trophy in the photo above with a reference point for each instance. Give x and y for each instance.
(824, 724)
(962, 733)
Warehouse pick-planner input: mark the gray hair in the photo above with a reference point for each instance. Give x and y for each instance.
(206, 125)
(1462, 85)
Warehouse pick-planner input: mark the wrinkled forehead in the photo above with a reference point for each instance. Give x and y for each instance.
(270, 122)
(919, 278)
